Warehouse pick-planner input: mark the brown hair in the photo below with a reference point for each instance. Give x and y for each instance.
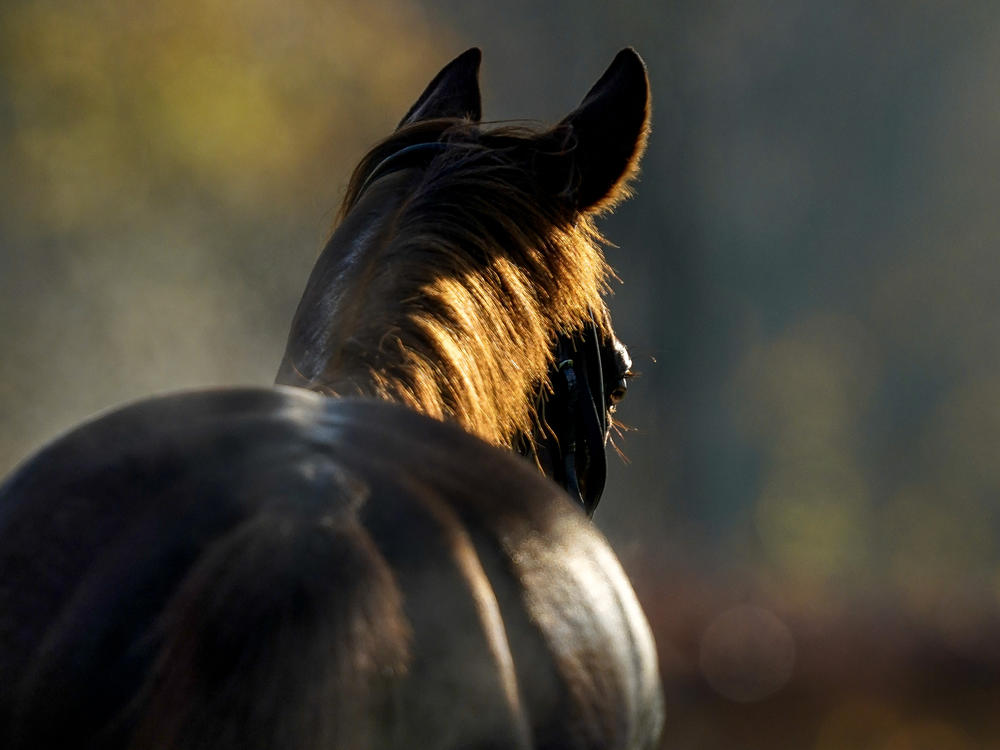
(486, 265)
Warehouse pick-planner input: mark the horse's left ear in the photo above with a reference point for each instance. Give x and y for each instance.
(454, 92)
(609, 130)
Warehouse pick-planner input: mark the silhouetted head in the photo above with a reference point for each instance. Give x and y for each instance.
(465, 252)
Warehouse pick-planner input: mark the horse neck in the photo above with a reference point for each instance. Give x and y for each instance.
(406, 320)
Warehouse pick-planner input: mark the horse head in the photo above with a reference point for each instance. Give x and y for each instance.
(465, 277)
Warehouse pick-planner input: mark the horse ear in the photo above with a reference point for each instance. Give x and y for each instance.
(454, 92)
(609, 130)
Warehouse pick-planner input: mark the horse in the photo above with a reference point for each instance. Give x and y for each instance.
(356, 557)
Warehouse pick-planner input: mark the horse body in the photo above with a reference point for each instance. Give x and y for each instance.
(275, 568)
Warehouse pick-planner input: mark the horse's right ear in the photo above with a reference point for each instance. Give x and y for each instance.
(608, 133)
(454, 92)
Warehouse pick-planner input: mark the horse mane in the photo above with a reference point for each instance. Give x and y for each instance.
(486, 266)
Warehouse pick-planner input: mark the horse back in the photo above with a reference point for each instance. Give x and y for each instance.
(257, 568)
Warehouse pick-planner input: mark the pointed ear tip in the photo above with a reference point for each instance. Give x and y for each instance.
(630, 60)
(641, 74)
(472, 56)
(629, 54)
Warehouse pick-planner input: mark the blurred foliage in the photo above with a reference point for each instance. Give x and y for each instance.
(229, 97)
(165, 162)
(810, 294)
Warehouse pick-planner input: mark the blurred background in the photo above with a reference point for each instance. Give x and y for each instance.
(810, 292)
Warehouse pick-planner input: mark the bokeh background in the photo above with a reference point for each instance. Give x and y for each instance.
(810, 292)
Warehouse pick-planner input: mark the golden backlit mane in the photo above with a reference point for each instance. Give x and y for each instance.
(484, 269)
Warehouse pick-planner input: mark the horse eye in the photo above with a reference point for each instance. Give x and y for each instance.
(618, 394)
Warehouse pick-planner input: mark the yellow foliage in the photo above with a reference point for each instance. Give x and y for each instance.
(116, 102)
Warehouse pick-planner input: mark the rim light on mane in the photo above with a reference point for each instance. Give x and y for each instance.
(449, 277)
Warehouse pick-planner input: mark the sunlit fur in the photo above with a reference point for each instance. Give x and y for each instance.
(488, 262)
